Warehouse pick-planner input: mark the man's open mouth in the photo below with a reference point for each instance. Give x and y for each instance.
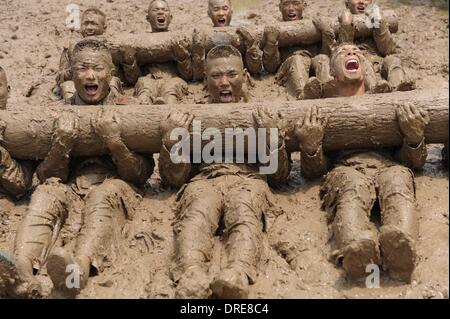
(91, 89)
(222, 21)
(352, 65)
(292, 16)
(90, 33)
(226, 96)
(161, 20)
(361, 8)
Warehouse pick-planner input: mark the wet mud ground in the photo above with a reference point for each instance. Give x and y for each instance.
(32, 35)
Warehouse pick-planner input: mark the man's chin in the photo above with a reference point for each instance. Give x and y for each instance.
(91, 99)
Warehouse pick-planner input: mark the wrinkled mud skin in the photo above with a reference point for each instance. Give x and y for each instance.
(141, 270)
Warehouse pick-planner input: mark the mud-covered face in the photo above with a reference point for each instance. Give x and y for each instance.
(4, 90)
(225, 78)
(357, 6)
(159, 16)
(92, 24)
(220, 12)
(292, 10)
(347, 65)
(92, 75)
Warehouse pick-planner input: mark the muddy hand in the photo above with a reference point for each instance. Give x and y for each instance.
(128, 55)
(198, 43)
(107, 126)
(66, 130)
(180, 49)
(173, 121)
(271, 35)
(268, 119)
(412, 121)
(346, 18)
(320, 24)
(310, 130)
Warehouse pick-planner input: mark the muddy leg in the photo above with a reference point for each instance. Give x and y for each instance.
(349, 196)
(39, 230)
(244, 208)
(393, 71)
(314, 86)
(197, 221)
(253, 54)
(370, 78)
(445, 155)
(173, 90)
(400, 229)
(293, 74)
(107, 208)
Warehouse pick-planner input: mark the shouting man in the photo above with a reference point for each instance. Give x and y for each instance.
(105, 185)
(159, 83)
(236, 194)
(93, 24)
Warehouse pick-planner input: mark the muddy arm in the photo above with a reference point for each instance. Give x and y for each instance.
(383, 39)
(185, 69)
(56, 163)
(315, 165)
(15, 177)
(413, 156)
(131, 166)
(63, 74)
(284, 168)
(271, 57)
(172, 174)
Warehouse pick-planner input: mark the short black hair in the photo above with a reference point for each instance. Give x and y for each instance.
(94, 45)
(223, 51)
(94, 10)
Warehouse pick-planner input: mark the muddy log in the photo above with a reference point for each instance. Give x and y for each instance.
(367, 121)
(156, 47)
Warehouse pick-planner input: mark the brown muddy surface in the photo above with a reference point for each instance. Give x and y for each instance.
(32, 35)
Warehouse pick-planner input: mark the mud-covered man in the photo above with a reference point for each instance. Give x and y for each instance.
(236, 194)
(159, 83)
(15, 176)
(379, 50)
(93, 24)
(292, 65)
(358, 178)
(105, 185)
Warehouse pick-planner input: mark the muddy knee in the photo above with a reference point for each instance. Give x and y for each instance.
(321, 65)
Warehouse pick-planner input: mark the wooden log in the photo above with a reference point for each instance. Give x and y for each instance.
(156, 47)
(357, 122)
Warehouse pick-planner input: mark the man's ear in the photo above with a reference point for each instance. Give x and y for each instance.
(147, 17)
(170, 18)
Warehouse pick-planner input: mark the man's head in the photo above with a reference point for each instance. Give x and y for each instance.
(346, 64)
(4, 89)
(93, 22)
(92, 69)
(292, 10)
(220, 12)
(357, 6)
(225, 74)
(159, 15)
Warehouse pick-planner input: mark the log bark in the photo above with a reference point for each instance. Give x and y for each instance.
(157, 47)
(356, 122)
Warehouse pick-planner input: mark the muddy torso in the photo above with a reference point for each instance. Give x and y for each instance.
(160, 71)
(367, 161)
(309, 51)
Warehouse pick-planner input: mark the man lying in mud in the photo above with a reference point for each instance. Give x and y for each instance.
(379, 51)
(211, 193)
(159, 83)
(15, 176)
(293, 65)
(105, 185)
(358, 178)
(93, 24)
